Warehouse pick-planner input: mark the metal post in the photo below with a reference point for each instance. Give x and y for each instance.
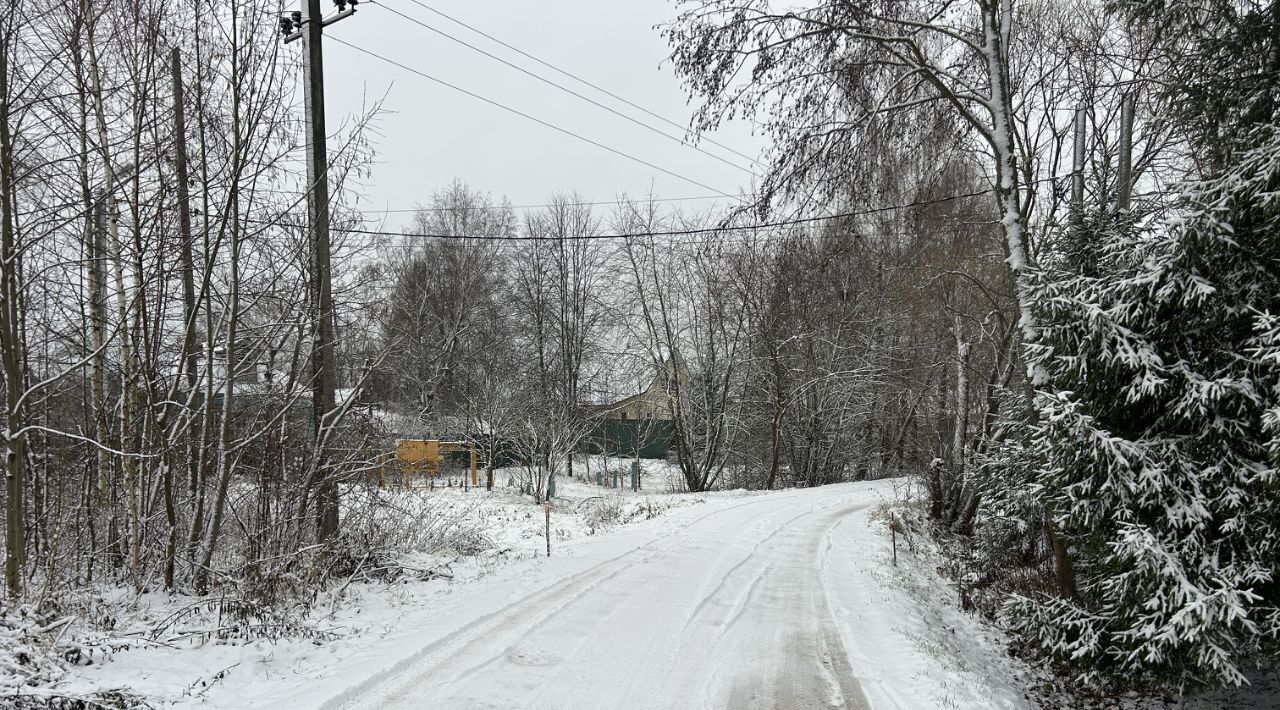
(893, 533)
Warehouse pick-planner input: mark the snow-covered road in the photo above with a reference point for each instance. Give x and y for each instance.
(725, 606)
(731, 599)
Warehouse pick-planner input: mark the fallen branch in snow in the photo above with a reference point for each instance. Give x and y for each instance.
(246, 620)
(207, 685)
(337, 594)
(584, 501)
(425, 574)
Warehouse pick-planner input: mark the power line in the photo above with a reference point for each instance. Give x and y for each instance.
(667, 233)
(739, 239)
(503, 206)
(522, 114)
(413, 210)
(566, 89)
(576, 78)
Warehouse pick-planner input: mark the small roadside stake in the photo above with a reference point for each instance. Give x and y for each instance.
(546, 508)
(893, 533)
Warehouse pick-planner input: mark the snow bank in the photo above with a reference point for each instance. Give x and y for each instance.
(909, 642)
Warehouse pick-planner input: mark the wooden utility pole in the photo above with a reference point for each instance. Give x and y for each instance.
(309, 27)
(1124, 175)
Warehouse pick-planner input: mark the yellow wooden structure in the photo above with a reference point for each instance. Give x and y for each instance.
(426, 457)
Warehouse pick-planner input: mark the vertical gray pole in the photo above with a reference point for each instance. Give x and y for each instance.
(322, 365)
(1124, 176)
(1077, 169)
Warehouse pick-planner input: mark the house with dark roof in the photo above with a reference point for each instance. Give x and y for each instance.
(641, 425)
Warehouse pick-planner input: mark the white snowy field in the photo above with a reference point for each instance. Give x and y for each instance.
(781, 600)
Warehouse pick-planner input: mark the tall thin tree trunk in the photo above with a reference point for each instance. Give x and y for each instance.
(997, 25)
(12, 435)
(230, 353)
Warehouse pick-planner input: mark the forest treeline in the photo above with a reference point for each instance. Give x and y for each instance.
(1025, 251)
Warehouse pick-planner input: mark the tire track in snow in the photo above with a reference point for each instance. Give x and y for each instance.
(724, 579)
(811, 669)
(572, 644)
(388, 683)
(834, 652)
(745, 603)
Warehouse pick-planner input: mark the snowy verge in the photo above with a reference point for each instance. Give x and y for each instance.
(908, 640)
(915, 648)
(181, 651)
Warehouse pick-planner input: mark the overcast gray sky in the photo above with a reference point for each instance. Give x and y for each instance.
(430, 134)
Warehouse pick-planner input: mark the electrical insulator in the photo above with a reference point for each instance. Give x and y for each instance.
(286, 25)
(297, 19)
(342, 5)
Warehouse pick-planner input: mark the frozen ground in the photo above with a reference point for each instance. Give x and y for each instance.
(720, 606)
(182, 650)
(771, 601)
(727, 600)
(780, 600)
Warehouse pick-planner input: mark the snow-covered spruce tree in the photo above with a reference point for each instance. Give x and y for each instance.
(1158, 434)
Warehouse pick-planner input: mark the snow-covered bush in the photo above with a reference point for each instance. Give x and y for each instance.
(601, 513)
(1159, 441)
(35, 652)
(383, 524)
